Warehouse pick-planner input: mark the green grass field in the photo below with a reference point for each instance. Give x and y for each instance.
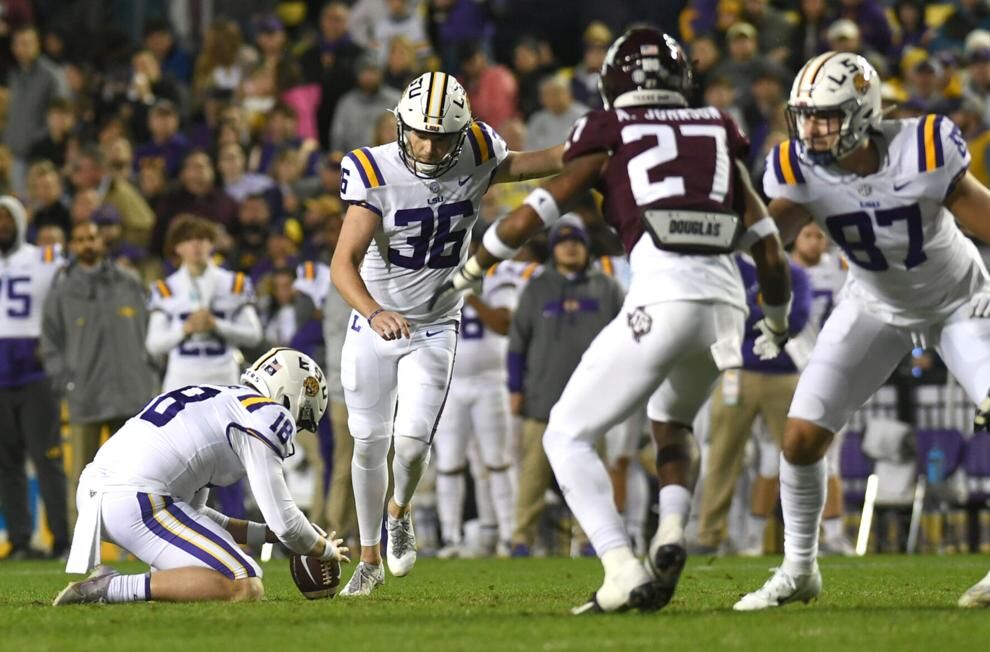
(874, 604)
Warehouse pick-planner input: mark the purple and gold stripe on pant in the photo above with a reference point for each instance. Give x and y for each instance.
(167, 521)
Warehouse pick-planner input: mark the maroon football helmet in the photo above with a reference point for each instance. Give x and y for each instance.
(645, 67)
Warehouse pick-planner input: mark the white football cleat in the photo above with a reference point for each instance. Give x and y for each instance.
(629, 587)
(782, 588)
(977, 595)
(364, 580)
(401, 548)
(90, 590)
(450, 551)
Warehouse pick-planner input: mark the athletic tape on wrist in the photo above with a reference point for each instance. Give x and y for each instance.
(255, 534)
(496, 246)
(544, 204)
(762, 229)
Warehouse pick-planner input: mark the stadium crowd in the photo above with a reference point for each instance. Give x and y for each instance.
(123, 119)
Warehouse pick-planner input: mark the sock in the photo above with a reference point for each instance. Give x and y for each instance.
(833, 528)
(802, 496)
(675, 505)
(637, 493)
(369, 477)
(450, 505)
(500, 486)
(587, 489)
(615, 558)
(129, 588)
(411, 458)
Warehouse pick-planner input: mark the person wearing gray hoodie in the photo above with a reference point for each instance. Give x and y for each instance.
(29, 408)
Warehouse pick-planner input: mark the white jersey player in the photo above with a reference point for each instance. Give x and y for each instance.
(201, 313)
(672, 178)
(478, 407)
(412, 205)
(313, 280)
(888, 193)
(146, 489)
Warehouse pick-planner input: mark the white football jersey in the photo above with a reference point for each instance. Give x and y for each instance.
(425, 223)
(479, 350)
(25, 279)
(206, 436)
(909, 262)
(203, 357)
(313, 280)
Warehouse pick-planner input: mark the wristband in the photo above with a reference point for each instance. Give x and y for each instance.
(255, 534)
(496, 246)
(375, 314)
(764, 228)
(544, 204)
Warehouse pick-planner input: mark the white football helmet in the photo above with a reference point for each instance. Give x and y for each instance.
(293, 379)
(433, 103)
(835, 85)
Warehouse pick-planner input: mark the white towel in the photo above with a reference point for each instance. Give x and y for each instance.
(84, 555)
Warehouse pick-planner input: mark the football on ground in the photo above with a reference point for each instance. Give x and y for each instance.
(315, 579)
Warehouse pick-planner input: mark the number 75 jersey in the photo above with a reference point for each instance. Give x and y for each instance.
(426, 223)
(908, 261)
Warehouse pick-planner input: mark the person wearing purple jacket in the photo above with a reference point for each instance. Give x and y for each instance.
(761, 388)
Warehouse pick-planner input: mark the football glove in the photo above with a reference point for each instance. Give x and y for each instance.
(981, 421)
(979, 305)
(770, 343)
(466, 279)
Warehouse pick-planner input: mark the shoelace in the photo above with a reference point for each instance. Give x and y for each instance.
(401, 542)
(773, 585)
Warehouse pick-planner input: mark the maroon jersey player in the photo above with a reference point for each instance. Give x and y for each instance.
(679, 196)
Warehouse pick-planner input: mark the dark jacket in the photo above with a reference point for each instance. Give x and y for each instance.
(92, 342)
(556, 320)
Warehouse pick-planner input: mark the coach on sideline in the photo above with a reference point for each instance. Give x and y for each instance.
(92, 344)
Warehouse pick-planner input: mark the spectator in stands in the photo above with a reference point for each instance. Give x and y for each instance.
(912, 30)
(924, 80)
(277, 311)
(151, 181)
(705, 55)
(978, 69)
(452, 24)
(558, 315)
(970, 115)
(491, 87)
(584, 78)
(277, 70)
(220, 63)
(148, 87)
(550, 125)
(766, 110)
(385, 131)
(236, 181)
(743, 62)
(29, 409)
(762, 388)
(772, 27)
(254, 221)
(721, 93)
(48, 204)
(400, 64)
(331, 63)
(529, 72)
(166, 142)
(326, 181)
(119, 156)
(280, 134)
(965, 17)
(87, 172)
(84, 204)
(808, 34)
(32, 83)
(59, 122)
(196, 195)
(50, 236)
(871, 19)
(401, 20)
(92, 344)
(172, 58)
(355, 116)
(843, 36)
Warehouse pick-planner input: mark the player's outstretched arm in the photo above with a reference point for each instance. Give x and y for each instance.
(356, 234)
(542, 208)
(772, 270)
(533, 164)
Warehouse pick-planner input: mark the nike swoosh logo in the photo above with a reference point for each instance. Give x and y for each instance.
(429, 334)
(898, 187)
(463, 180)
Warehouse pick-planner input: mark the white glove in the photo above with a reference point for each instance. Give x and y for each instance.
(466, 279)
(979, 305)
(769, 344)
(334, 549)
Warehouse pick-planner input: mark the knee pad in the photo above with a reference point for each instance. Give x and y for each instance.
(370, 453)
(410, 452)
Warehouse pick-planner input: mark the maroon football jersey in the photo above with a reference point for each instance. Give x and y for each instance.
(661, 158)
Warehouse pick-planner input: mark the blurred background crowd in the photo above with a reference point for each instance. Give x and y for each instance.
(124, 115)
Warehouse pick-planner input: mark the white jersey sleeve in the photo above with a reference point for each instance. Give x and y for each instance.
(943, 156)
(262, 453)
(786, 173)
(359, 173)
(486, 145)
